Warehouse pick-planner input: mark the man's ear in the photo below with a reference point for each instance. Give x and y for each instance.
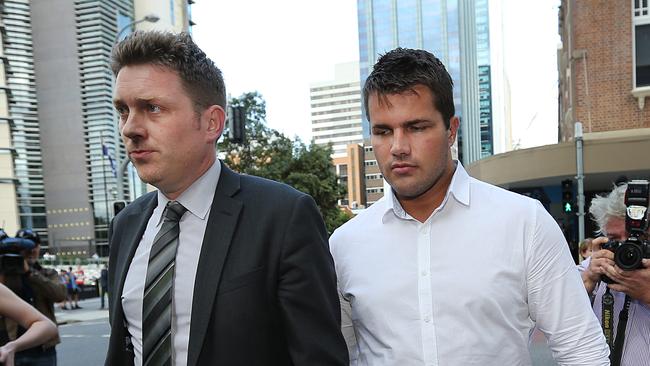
(216, 118)
(454, 122)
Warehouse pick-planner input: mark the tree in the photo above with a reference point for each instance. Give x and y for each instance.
(270, 154)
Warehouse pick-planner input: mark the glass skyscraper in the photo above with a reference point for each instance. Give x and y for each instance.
(18, 57)
(95, 36)
(433, 25)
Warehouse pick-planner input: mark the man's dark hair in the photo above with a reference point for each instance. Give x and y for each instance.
(401, 69)
(199, 75)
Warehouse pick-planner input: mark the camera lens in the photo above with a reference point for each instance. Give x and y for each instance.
(628, 257)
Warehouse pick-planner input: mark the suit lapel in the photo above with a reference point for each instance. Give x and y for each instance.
(129, 241)
(222, 222)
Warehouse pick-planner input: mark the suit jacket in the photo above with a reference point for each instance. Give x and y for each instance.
(265, 291)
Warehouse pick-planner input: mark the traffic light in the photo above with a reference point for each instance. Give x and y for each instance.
(567, 195)
(118, 206)
(237, 124)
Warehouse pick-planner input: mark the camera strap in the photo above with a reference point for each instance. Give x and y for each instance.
(615, 357)
(608, 309)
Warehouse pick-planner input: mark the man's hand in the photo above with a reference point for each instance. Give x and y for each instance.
(634, 283)
(601, 259)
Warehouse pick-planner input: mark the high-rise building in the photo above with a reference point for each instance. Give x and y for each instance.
(80, 143)
(336, 120)
(336, 109)
(458, 34)
(22, 143)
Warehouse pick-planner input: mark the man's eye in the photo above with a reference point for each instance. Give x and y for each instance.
(154, 108)
(379, 131)
(123, 112)
(417, 128)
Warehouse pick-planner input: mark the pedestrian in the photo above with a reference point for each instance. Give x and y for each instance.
(631, 289)
(40, 288)
(239, 264)
(446, 269)
(103, 284)
(65, 280)
(73, 290)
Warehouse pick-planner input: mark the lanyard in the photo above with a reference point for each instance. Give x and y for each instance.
(615, 347)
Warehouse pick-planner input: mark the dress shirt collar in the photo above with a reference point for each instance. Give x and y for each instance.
(458, 188)
(194, 197)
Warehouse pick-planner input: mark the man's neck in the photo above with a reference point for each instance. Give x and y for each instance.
(421, 207)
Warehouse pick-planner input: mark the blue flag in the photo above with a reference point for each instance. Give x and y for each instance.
(110, 159)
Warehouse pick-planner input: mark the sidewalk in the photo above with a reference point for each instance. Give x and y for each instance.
(89, 311)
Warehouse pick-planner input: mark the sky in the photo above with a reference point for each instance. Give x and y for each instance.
(279, 47)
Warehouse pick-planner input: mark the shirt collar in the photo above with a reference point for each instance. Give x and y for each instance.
(458, 188)
(194, 197)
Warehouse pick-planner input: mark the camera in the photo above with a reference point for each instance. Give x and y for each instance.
(629, 253)
(12, 260)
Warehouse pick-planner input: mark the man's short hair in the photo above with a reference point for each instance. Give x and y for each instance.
(401, 69)
(606, 207)
(176, 51)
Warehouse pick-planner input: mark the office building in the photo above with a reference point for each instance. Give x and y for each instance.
(81, 148)
(458, 33)
(336, 109)
(22, 165)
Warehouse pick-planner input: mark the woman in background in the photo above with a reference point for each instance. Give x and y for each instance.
(39, 329)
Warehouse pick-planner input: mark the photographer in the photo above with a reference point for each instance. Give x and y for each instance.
(38, 329)
(40, 288)
(631, 287)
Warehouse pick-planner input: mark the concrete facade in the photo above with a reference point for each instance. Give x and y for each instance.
(349, 169)
(69, 212)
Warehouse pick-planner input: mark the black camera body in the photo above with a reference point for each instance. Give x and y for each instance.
(12, 260)
(629, 253)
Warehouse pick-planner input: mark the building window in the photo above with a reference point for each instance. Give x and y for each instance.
(373, 176)
(641, 41)
(371, 162)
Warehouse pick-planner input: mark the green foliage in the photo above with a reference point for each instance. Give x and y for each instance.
(268, 153)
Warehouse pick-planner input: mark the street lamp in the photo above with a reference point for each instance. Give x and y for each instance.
(122, 164)
(151, 18)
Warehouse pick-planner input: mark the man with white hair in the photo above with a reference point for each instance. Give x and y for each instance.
(630, 289)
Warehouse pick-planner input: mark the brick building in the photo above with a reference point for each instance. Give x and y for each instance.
(604, 65)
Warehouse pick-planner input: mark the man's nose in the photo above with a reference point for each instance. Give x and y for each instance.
(132, 127)
(400, 144)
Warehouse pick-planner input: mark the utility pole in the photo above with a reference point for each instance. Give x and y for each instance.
(580, 178)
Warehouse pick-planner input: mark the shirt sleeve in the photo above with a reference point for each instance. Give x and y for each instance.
(347, 328)
(557, 299)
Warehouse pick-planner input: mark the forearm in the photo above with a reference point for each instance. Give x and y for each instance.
(52, 289)
(588, 282)
(38, 333)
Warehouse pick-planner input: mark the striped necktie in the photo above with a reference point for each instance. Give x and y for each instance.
(158, 290)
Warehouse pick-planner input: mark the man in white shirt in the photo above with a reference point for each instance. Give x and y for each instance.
(445, 269)
(215, 268)
(632, 346)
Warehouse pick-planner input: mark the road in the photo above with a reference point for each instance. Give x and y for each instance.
(84, 338)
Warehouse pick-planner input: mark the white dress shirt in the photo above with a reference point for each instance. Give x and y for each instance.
(197, 199)
(466, 287)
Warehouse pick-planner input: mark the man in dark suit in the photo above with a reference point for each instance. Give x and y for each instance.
(215, 268)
